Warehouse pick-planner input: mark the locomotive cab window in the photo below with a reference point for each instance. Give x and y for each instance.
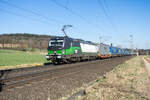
(56, 43)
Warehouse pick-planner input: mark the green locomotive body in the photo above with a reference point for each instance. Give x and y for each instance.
(62, 49)
(66, 50)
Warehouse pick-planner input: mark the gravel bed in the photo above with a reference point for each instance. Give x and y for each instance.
(52, 89)
(21, 71)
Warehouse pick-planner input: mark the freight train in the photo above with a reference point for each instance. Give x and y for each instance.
(67, 50)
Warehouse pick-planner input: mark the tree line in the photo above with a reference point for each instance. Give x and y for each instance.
(24, 41)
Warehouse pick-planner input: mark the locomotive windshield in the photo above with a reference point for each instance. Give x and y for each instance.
(56, 42)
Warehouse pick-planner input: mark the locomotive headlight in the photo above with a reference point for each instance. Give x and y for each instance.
(58, 56)
(47, 57)
(63, 52)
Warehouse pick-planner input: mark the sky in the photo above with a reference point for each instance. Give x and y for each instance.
(108, 21)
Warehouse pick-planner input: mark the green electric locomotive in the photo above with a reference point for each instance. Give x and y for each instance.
(62, 49)
(66, 50)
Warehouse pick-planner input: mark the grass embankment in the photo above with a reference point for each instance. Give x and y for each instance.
(147, 58)
(128, 81)
(11, 58)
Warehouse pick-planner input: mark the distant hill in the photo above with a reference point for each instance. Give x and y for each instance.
(24, 41)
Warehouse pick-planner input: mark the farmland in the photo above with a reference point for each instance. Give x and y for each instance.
(13, 58)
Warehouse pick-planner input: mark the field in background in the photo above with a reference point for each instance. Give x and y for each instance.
(13, 57)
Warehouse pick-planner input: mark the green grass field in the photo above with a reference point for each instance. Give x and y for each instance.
(12, 58)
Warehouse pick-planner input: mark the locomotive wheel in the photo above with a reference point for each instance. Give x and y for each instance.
(68, 61)
(55, 62)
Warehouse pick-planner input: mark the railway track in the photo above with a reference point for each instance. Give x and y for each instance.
(21, 71)
(13, 82)
(29, 78)
(57, 82)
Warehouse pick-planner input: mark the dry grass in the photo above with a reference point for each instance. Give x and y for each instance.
(128, 81)
(147, 58)
(20, 66)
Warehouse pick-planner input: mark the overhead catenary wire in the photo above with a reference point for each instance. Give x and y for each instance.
(102, 5)
(24, 16)
(43, 16)
(31, 11)
(106, 5)
(78, 15)
(103, 8)
(67, 2)
(70, 10)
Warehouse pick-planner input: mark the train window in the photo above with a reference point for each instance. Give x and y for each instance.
(56, 42)
(75, 44)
